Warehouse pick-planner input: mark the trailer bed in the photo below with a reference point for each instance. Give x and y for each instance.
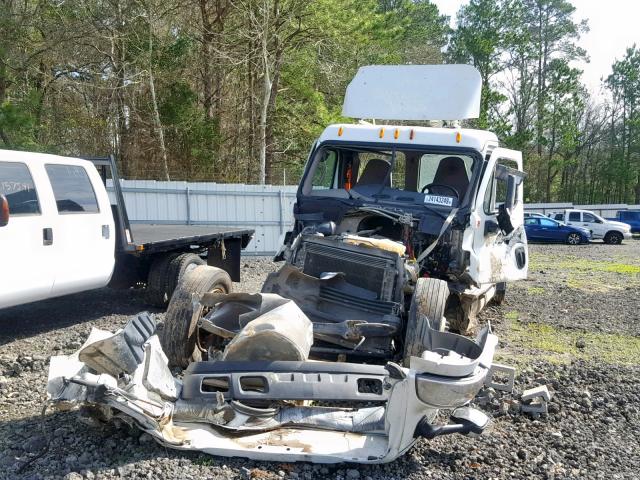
(152, 238)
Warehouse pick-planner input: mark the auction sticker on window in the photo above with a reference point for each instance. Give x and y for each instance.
(439, 200)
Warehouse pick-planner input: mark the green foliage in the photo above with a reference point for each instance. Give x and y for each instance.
(75, 79)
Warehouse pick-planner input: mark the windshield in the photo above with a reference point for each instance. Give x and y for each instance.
(371, 171)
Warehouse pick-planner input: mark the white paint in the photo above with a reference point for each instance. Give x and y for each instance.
(414, 92)
(491, 257)
(419, 136)
(78, 259)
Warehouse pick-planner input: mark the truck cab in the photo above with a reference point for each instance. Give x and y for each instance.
(58, 237)
(394, 222)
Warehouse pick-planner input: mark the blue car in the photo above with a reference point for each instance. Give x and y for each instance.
(552, 231)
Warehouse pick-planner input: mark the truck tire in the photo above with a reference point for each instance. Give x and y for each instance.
(613, 238)
(177, 268)
(179, 335)
(156, 291)
(427, 309)
(501, 291)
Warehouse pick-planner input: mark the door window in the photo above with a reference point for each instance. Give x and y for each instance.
(72, 189)
(547, 222)
(588, 218)
(17, 185)
(323, 177)
(531, 221)
(574, 216)
(496, 194)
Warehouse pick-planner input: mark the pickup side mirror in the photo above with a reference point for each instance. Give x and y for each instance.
(4, 211)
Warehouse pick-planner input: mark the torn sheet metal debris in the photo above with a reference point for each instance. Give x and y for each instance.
(251, 408)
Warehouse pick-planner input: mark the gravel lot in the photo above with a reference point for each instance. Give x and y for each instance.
(574, 326)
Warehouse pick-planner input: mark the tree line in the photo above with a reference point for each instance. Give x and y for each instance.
(237, 90)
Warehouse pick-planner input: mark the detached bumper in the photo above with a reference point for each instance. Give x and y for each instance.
(256, 409)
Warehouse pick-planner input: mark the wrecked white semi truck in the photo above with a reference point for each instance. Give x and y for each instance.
(402, 235)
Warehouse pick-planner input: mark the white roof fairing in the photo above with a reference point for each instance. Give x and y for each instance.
(478, 140)
(414, 92)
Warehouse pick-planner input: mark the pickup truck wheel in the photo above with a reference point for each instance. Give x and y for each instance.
(156, 291)
(573, 239)
(613, 238)
(178, 266)
(427, 309)
(179, 335)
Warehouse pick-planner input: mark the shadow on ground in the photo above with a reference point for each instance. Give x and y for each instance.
(83, 308)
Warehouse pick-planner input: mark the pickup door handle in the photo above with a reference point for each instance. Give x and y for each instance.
(47, 236)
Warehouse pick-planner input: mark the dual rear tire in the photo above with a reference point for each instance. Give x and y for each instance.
(165, 274)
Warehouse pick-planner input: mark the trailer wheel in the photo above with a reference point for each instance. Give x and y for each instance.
(156, 291)
(178, 266)
(179, 335)
(427, 309)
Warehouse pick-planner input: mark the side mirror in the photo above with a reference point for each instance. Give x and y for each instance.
(4, 211)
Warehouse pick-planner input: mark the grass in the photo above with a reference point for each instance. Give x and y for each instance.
(574, 263)
(512, 315)
(525, 341)
(535, 290)
(560, 345)
(588, 275)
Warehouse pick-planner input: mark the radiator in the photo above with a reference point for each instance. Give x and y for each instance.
(371, 269)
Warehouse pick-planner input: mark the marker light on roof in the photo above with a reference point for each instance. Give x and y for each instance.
(458, 137)
(381, 133)
(396, 134)
(340, 131)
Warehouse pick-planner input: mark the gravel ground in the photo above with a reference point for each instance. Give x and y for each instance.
(572, 326)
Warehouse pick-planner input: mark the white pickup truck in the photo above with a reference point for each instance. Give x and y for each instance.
(609, 231)
(61, 234)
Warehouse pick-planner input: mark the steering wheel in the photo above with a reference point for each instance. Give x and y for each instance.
(448, 187)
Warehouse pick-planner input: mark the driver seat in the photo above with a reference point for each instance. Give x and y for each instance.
(452, 172)
(375, 172)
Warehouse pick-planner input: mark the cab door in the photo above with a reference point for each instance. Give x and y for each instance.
(496, 240)
(84, 231)
(591, 222)
(26, 258)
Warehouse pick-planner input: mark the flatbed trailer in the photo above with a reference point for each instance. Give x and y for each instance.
(157, 255)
